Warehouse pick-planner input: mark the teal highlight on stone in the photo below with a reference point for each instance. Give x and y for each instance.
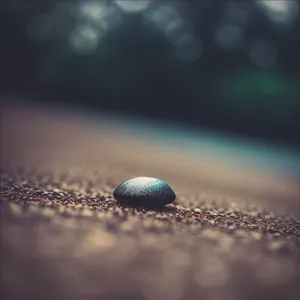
(144, 192)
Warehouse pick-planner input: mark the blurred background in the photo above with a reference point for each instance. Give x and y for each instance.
(229, 66)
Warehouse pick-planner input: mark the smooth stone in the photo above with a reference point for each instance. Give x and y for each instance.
(145, 192)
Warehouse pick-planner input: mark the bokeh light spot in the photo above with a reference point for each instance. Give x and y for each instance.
(135, 6)
(165, 18)
(84, 39)
(279, 11)
(99, 14)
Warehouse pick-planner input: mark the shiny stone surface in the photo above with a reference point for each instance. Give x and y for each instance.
(144, 191)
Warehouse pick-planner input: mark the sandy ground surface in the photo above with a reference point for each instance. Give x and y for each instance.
(233, 233)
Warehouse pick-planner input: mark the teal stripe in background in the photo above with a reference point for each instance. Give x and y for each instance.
(234, 149)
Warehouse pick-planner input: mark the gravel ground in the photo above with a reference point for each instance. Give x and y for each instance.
(233, 233)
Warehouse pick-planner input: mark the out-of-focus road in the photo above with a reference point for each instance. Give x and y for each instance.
(233, 233)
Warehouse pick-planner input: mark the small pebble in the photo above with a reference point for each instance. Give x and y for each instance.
(144, 192)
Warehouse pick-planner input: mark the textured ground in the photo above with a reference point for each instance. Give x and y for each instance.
(233, 233)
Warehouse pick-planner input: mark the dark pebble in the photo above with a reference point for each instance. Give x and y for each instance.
(144, 192)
